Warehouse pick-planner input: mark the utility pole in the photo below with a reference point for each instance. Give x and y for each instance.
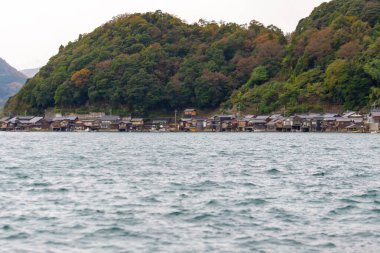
(175, 119)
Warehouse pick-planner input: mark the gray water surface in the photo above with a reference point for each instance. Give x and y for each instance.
(124, 192)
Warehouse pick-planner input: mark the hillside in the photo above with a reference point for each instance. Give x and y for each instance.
(11, 81)
(152, 62)
(155, 62)
(332, 63)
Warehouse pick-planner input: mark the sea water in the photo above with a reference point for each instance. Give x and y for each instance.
(207, 192)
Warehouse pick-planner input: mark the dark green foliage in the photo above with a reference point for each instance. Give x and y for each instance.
(332, 60)
(151, 62)
(154, 62)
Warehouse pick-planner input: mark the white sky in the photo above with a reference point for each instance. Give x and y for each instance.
(31, 31)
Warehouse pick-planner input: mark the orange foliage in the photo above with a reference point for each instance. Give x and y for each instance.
(320, 43)
(348, 50)
(81, 77)
(104, 64)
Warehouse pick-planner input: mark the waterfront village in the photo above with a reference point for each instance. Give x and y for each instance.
(190, 121)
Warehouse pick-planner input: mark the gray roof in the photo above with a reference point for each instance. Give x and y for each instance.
(257, 121)
(224, 116)
(25, 117)
(4, 119)
(375, 114)
(72, 118)
(110, 118)
(331, 115)
(348, 114)
(275, 116)
(35, 120)
(262, 117)
(189, 110)
(330, 118)
(12, 120)
(343, 120)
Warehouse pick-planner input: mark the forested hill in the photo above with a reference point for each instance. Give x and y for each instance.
(153, 61)
(143, 63)
(332, 63)
(11, 81)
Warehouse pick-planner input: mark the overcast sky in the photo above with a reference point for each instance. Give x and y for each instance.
(31, 31)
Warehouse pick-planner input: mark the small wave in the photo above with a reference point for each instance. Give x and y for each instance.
(319, 174)
(7, 227)
(350, 201)
(256, 202)
(18, 236)
(341, 210)
(369, 194)
(273, 171)
(41, 184)
(174, 214)
(249, 185)
(150, 200)
(212, 202)
(328, 245)
(202, 217)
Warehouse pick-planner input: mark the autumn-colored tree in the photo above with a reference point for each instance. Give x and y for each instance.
(81, 78)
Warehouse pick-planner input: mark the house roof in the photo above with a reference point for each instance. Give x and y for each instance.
(190, 110)
(331, 115)
(275, 116)
(110, 118)
(343, 120)
(262, 117)
(71, 118)
(12, 120)
(4, 119)
(35, 120)
(329, 118)
(358, 120)
(225, 117)
(348, 114)
(375, 114)
(258, 121)
(25, 117)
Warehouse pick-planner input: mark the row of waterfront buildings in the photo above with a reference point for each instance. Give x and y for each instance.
(191, 122)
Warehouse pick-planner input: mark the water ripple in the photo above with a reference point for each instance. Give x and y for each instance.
(263, 192)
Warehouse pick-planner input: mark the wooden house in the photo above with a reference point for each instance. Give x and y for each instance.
(161, 124)
(125, 125)
(275, 125)
(109, 122)
(137, 124)
(258, 124)
(189, 113)
(63, 124)
(342, 124)
(92, 124)
(222, 123)
(292, 124)
(4, 123)
(38, 123)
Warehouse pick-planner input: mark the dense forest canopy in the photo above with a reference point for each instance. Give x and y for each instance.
(332, 62)
(156, 62)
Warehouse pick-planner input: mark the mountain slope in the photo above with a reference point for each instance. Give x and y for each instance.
(332, 63)
(11, 81)
(152, 62)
